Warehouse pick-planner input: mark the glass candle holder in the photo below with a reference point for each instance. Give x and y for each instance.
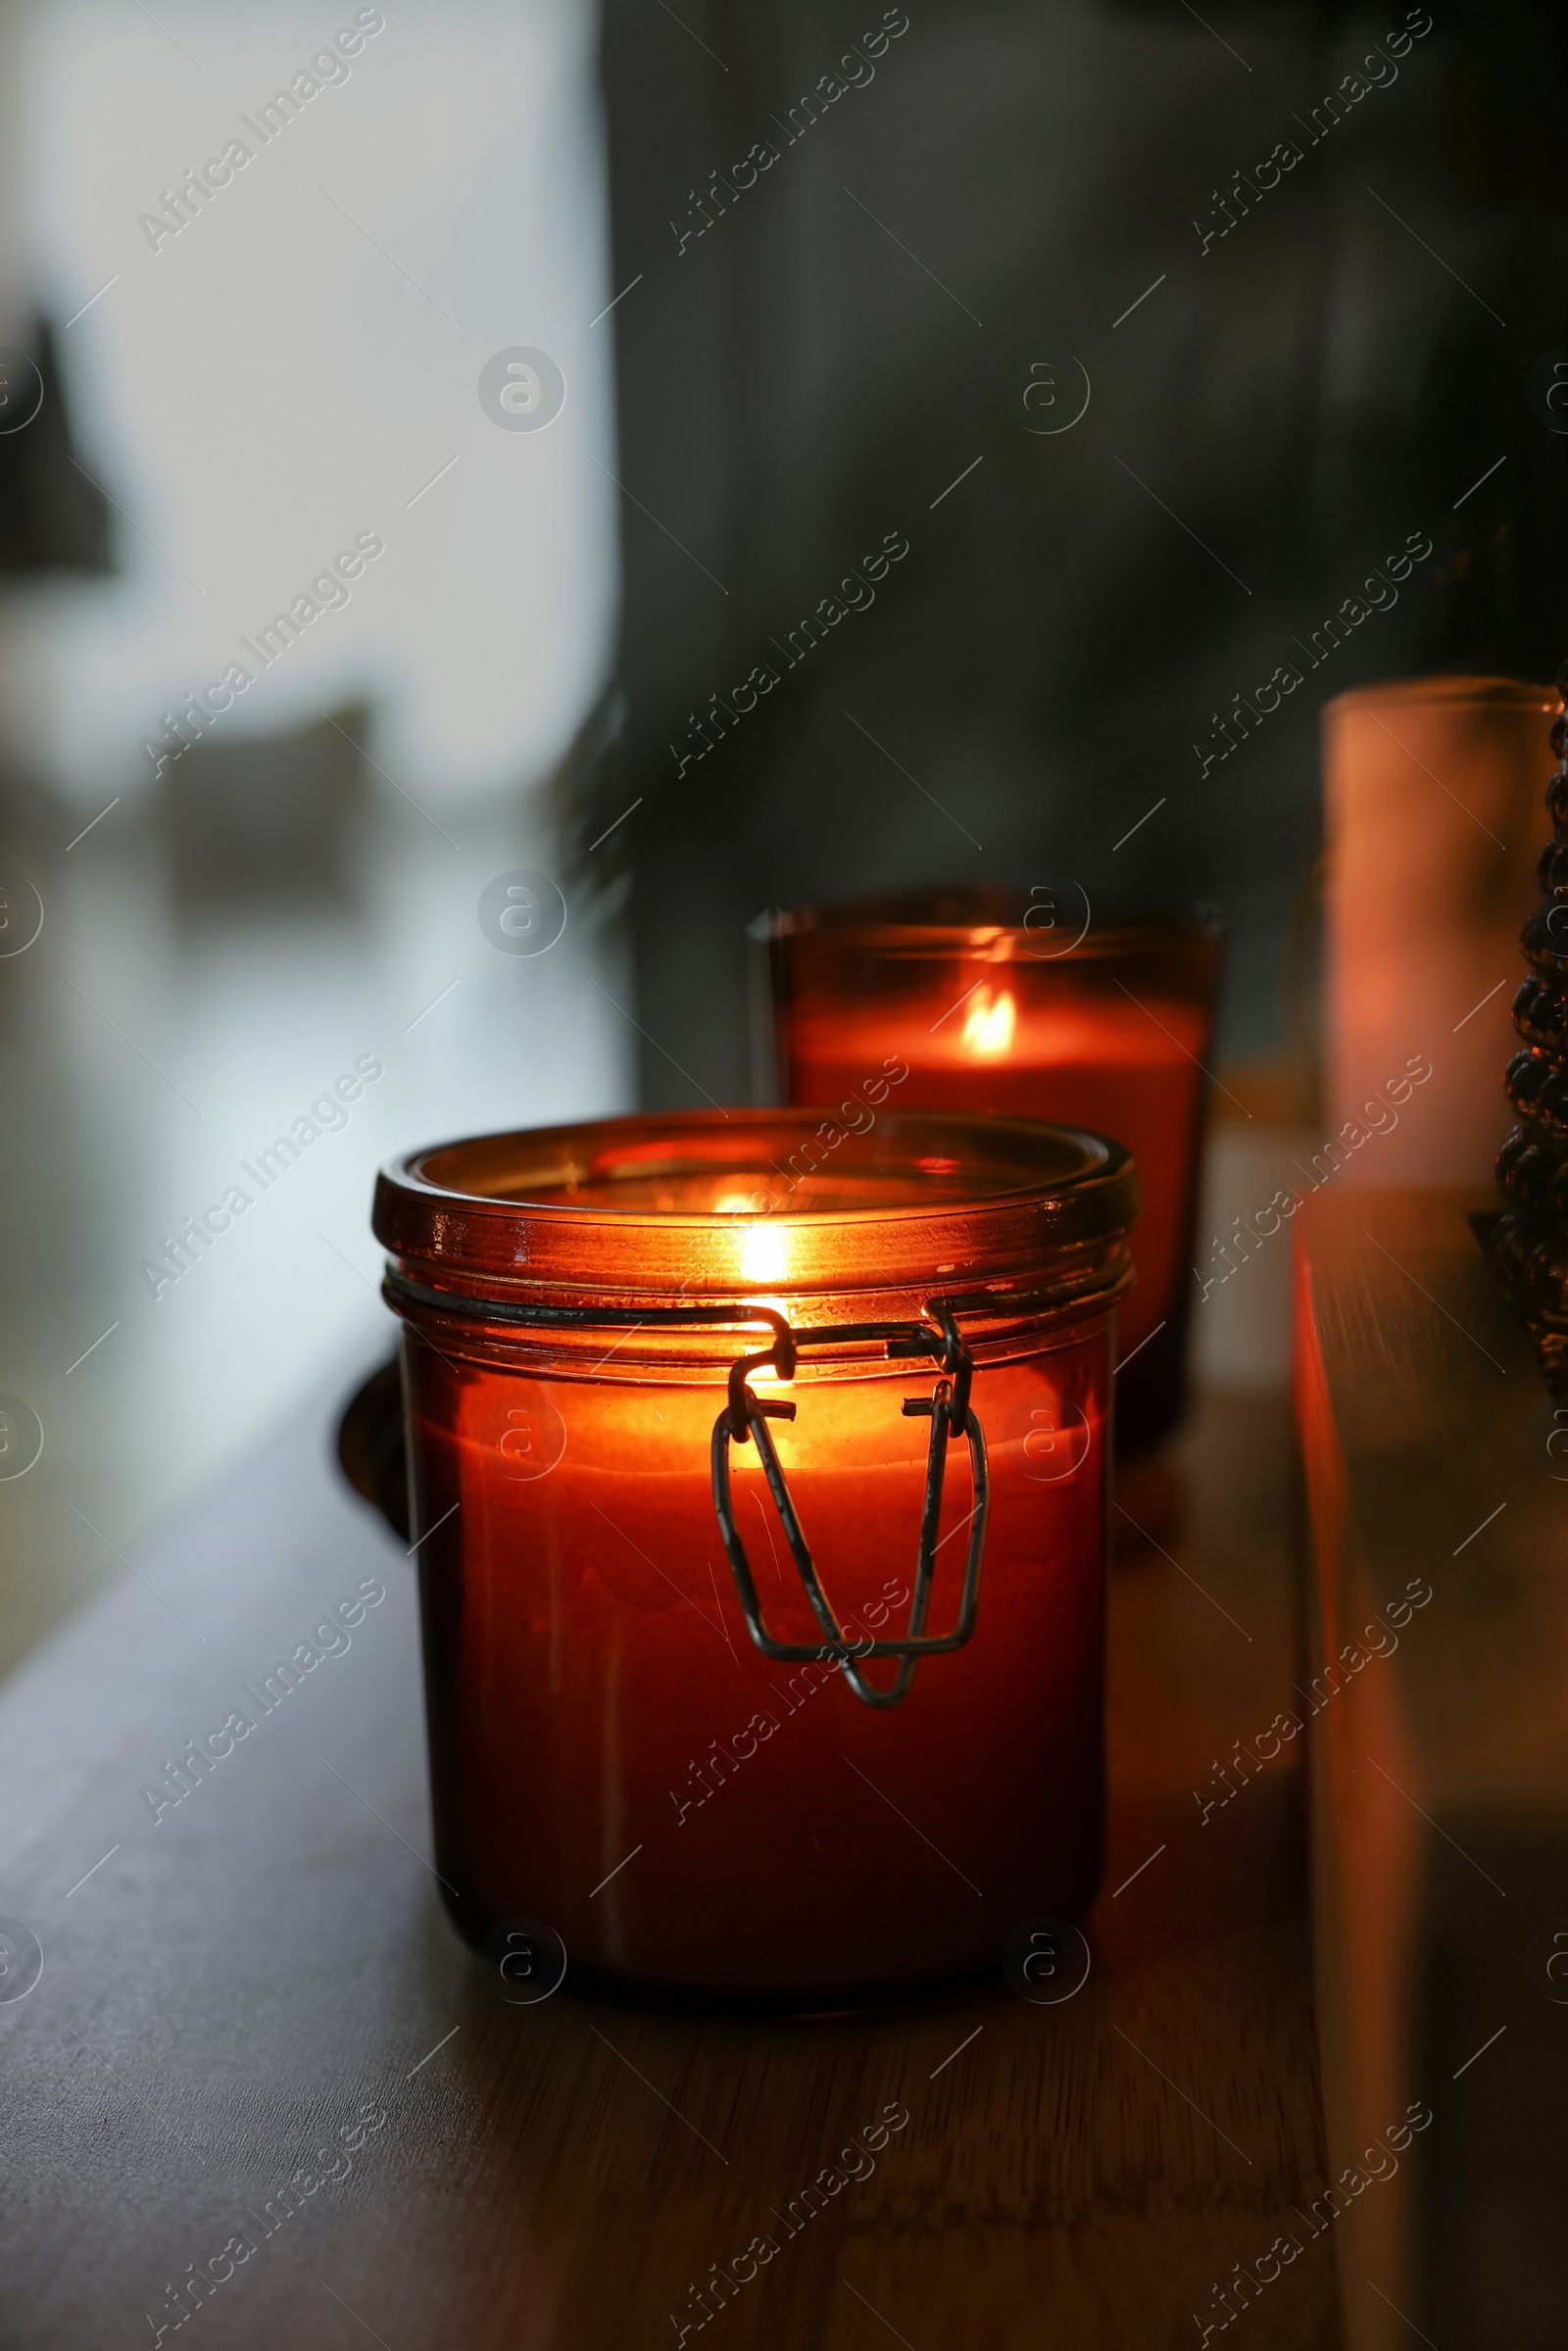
(1439, 780)
(1031, 1004)
(758, 1480)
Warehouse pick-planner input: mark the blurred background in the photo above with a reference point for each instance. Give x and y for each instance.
(1007, 287)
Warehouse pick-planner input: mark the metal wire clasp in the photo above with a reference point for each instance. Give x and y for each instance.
(746, 1416)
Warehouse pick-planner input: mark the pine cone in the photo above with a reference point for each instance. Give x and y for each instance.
(1540, 1015)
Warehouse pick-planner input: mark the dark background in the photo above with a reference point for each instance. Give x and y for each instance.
(1322, 382)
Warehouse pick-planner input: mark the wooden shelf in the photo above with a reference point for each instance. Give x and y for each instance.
(1440, 1771)
(226, 1989)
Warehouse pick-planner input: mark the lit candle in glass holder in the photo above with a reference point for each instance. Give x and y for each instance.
(758, 1491)
(994, 1000)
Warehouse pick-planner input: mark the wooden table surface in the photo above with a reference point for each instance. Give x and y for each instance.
(266, 1973)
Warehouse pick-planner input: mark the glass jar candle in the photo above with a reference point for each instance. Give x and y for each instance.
(758, 1478)
(1033, 1004)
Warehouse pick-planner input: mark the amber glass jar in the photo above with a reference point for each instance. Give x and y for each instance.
(1038, 1005)
(722, 1697)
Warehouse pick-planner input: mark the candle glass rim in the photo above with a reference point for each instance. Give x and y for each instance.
(901, 922)
(1444, 691)
(1065, 1195)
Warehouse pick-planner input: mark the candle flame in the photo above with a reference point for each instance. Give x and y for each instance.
(765, 1247)
(988, 1029)
(764, 1252)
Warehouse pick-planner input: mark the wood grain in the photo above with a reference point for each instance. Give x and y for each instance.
(228, 1987)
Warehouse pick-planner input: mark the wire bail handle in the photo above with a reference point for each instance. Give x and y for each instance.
(744, 1418)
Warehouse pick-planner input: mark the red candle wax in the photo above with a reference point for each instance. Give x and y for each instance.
(592, 1693)
(989, 999)
(1098, 1060)
(611, 1756)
